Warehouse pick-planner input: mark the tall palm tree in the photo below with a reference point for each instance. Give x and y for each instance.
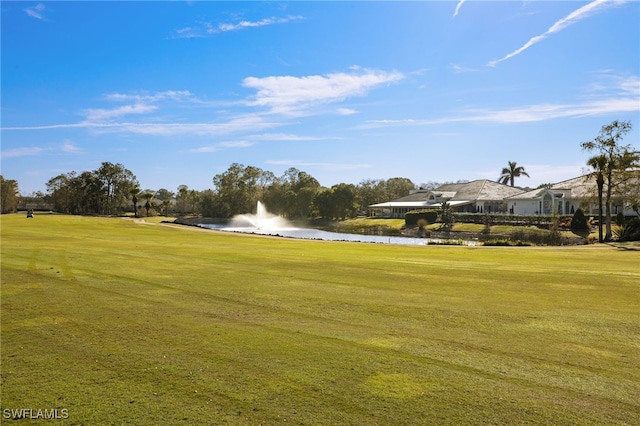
(148, 196)
(134, 192)
(509, 174)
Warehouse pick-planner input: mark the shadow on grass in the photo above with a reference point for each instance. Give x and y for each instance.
(625, 246)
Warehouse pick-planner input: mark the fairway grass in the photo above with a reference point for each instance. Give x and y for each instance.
(121, 322)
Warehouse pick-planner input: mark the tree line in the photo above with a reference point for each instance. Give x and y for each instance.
(112, 189)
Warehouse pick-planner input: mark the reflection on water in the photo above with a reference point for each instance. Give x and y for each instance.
(316, 234)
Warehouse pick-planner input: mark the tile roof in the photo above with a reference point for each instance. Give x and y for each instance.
(579, 187)
(457, 193)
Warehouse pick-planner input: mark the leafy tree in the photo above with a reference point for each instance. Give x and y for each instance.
(344, 197)
(298, 189)
(509, 174)
(59, 192)
(182, 199)
(194, 199)
(446, 218)
(163, 194)
(117, 184)
(35, 200)
(613, 164)
(208, 203)
(339, 202)
(10, 196)
(398, 187)
(165, 206)
(239, 189)
(323, 203)
(89, 195)
(630, 191)
(275, 198)
(370, 191)
(431, 185)
(102, 191)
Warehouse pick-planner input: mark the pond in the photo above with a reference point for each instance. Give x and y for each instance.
(265, 223)
(317, 234)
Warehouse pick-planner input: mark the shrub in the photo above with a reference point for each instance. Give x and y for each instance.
(630, 231)
(412, 218)
(579, 221)
(565, 222)
(446, 217)
(620, 219)
(537, 236)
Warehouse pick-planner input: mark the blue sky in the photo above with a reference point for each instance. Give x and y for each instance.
(345, 91)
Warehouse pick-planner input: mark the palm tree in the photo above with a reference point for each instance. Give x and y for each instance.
(148, 196)
(509, 174)
(134, 197)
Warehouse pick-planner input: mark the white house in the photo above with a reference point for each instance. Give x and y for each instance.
(563, 198)
(478, 196)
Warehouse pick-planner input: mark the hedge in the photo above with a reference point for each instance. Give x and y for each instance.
(412, 217)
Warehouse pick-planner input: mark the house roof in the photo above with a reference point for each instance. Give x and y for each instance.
(482, 190)
(456, 194)
(418, 204)
(579, 187)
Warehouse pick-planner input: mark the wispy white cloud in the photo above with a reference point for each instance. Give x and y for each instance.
(574, 17)
(346, 111)
(36, 11)
(282, 137)
(288, 94)
(99, 115)
(69, 147)
(205, 29)
(205, 149)
(241, 123)
(622, 93)
(175, 95)
(460, 69)
(532, 113)
(143, 103)
(458, 6)
(236, 144)
(253, 24)
(21, 152)
(224, 144)
(66, 147)
(326, 166)
(622, 85)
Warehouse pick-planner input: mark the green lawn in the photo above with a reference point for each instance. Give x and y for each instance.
(137, 323)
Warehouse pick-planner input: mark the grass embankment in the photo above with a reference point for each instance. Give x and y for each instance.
(497, 233)
(365, 225)
(125, 323)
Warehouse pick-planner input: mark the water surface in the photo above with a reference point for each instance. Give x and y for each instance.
(317, 234)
